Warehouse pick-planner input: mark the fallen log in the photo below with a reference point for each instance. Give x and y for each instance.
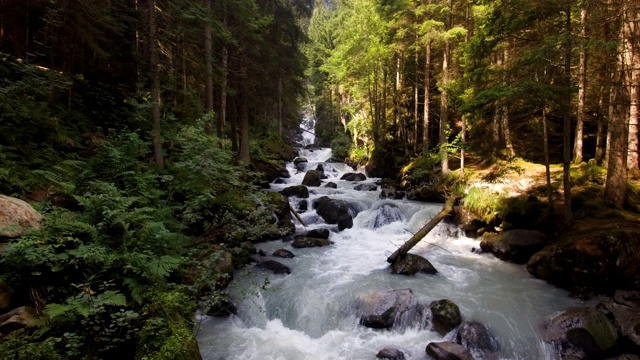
(297, 215)
(415, 239)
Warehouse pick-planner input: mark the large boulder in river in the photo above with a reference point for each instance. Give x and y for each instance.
(16, 217)
(307, 242)
(383, 214)
(366, 187)
(333, 210)
(624, 312)
(312, 178)
(274, 267)
(581, 333)
(380, 310)
(410, 264)
(353, 177)
(478, 339)
(345, 222)
(515, 246)
(448, 350)
(331, 185)
(300, 191)
(445, 316)
(283, 253)
(592, 257)
(318, 233)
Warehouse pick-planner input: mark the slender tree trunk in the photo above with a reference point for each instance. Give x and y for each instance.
(244, 113)
(156, 130)
(545, 129)
(222, 112)
(208, 75)
(383, 122)
(610, 117)
(416, 117)
(280, 106)
(582, 85)
(233, 121)
(427, 95)
(616, 186)
(444, 98)
(567, 121)
(506, 132)
(632, 78)
(600, 136)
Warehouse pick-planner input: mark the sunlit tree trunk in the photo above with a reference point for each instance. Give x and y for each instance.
(427, 94)
(632, 77)
(444, 98)
(416, 118)
(582, 84)
(601, 135)
(567, 119)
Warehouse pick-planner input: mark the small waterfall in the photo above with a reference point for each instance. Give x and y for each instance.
(311, 314)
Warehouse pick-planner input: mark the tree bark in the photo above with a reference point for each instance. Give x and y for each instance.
(156, 130)
(545, 129)
(567, 120)
(616, 186)
(632, 78)
(444, 106)
(427, 83)
(222, 113)
(601, 135)
(416, 118)
(415, 239)
(582, 85)
(243, 156)
(208, 74)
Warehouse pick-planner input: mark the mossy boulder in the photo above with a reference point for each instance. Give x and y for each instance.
(299, 191)
(312, 178)
(624, 312)
(581, 332)
(474, 336)
(353, 177)
(16, 217)
(410, 264)
(516, 246)
(445, 316)
(594, 256)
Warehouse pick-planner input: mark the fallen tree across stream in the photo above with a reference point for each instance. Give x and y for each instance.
(415, 239)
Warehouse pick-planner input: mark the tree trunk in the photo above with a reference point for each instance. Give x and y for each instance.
(632, 78)
(415, 239)
(506, 132)
(156, 130)
(233, 120)
(208, 74)
(567, 121)
(222, 112)
(444, 98)
(243, 156)
(582, 85)
(616, 187)
(427, 83)
(545, 129)
(600, 136)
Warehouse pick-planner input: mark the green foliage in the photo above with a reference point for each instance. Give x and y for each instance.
(484, 205)
(422, 168)
(341, 146)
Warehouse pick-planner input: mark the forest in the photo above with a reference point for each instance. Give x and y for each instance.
(144, 133)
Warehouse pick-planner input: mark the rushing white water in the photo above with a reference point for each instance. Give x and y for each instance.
(309, 314)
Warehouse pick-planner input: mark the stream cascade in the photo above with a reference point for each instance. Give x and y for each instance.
(312, 313)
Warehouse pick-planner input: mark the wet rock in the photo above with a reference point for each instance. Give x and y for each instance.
(307, 242)
(390, 193)
(467, 222)
(448, 350)
(445, 316)
(299, 160)
(16, 217)
(331, 185)
(625, 318)
(270, 169)
(380, 310)
(410, 264)
(274, 267)
(390, 354)
(366, 187)
(331, 210)
(516, 246)
(23, 317)
(319, 233)
(312, 178)
(5, 295)
(303, 205)
(585, 333)
(345, 221)
(299, 191)
(428, 193)
(249, 247)
(384, 214)
(320, 169)
(214, 260)
(478, 339)
(592, 257)
(279, 181)
(353, 177)
(222, 306)
(262, 253)
(283, 253)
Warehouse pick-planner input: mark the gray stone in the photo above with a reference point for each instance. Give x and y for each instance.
(381, 309)
(274, 267)
(516, 246)
(307, 242)
(445, 316)
(283, 253)
(448, 350)
(410, 264)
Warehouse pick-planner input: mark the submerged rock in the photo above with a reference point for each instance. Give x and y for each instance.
(410, 264)
(383, 215)
(335, 211)
(478, 339)
(448, 350)
(353, 177)
(300, 191)
(318, 233)
(445, 316)
(312, 178)
(380, 310)
(516, 246)
(16, 217)
(283, 253)
(366, 187)
(331, 185)
(584, 333)
(274, 267)
(307, 242)
(390, 354)
(390, 193)
(345, 222)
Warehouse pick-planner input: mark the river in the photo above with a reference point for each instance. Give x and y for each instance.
(310, 313)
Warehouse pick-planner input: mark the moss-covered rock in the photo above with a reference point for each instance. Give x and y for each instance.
(410, 264)
(593, 257)
(445, 316)
(516, 246)
(307, 242)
